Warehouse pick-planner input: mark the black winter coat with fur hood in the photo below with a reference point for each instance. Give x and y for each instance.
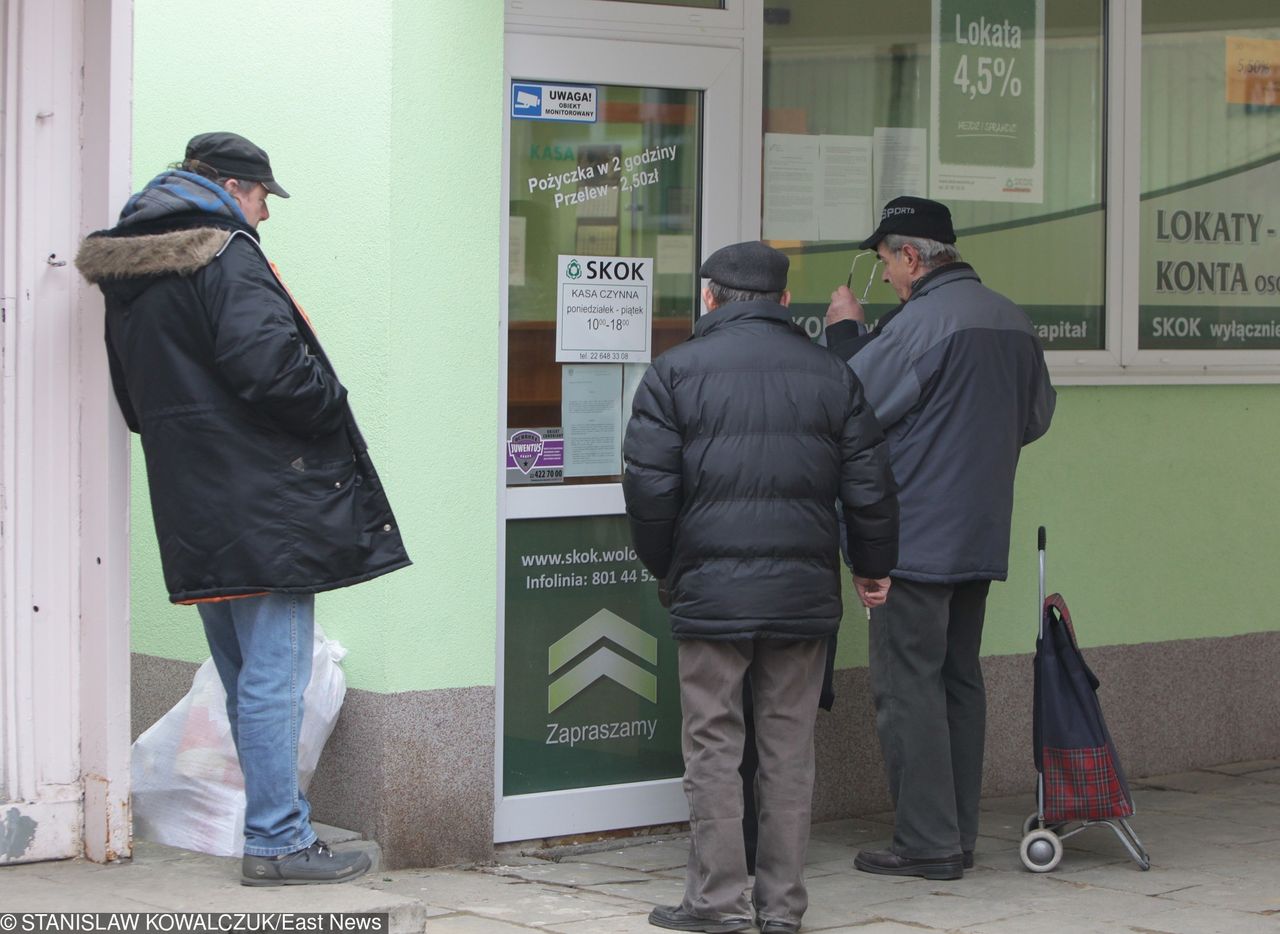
(259, 478)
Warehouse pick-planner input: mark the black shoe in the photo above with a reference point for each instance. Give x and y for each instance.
(316, 865)
(675, 918)
(888, 863)
(967, 859)
(774, 926)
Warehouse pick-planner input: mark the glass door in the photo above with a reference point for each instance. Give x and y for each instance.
(623, 169)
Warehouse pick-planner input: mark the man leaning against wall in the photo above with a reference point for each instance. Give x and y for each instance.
(261, 486)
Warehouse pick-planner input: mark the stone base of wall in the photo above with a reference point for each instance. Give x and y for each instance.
(414, 771)
(1170, 706)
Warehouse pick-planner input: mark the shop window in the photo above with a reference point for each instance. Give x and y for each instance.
(582, 325)
(993, 107)
(1209, 278)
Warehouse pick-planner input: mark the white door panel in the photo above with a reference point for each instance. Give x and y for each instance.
(583, 647)
(61, 501)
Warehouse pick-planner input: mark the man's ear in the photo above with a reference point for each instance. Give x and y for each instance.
(708, 299)
(785, 300)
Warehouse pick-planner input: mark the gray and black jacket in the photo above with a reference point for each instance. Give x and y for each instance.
(741, 441)
(260, 480)
(958, 382)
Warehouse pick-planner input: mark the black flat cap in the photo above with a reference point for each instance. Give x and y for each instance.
(233, 156)
(750, 265)
(913, 217)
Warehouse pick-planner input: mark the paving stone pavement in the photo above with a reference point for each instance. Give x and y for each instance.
(1213, 836)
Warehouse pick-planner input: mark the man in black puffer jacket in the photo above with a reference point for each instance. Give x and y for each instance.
(740, 443)
(262, 490)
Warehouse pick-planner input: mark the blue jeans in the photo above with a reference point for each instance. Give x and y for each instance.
(262, 649)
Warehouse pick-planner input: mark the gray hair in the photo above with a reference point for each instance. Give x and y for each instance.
(932, 253)
(724, 294)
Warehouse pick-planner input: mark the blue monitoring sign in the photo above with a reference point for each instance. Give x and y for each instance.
(568, 103)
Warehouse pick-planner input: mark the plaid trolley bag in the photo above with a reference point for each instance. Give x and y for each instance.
(1080, 779)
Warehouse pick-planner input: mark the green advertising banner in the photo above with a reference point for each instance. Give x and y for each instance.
(1211, 263)
(590, 694)
(988, 101)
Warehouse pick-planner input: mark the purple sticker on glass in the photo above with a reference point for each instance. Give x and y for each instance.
(535, 455)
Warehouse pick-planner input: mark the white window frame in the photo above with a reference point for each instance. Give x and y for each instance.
(1095, 366)
(64, 456)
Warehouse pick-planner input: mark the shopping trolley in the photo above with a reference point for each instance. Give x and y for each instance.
(1080, 783)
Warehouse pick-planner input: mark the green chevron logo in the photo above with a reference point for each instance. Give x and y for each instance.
(603, 662)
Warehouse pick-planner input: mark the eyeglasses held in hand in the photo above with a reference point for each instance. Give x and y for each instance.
(875, 268)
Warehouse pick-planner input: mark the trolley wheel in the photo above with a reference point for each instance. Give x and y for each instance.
(1041, 851)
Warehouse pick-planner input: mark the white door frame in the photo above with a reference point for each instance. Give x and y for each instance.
(107, 153)
(64, 633)
(712, 62)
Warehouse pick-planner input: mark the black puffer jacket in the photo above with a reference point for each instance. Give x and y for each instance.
(741, 440)
(259, 478)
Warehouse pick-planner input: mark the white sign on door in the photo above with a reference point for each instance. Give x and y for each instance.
(567, 103)
(604, 309)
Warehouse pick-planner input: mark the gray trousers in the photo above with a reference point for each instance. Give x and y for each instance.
(931, 712)
(786, 677)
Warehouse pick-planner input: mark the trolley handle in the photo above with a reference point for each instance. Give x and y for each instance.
(1040, 538)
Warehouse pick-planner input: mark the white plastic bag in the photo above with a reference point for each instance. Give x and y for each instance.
(188, 790)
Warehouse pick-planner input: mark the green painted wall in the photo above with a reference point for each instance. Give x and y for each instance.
(1159, 519)
(384, 121)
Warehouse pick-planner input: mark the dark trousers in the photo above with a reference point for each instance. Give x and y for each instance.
(931, 707)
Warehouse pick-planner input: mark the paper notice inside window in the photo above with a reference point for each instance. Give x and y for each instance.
(591, 412)
(817, 187)
(790, 187)
(900, 163)
(674, 255)
(845, 212)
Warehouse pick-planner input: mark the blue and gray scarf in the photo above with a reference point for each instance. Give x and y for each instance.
(177, 192)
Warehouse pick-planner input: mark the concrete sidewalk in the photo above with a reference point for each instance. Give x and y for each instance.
(1213, 836)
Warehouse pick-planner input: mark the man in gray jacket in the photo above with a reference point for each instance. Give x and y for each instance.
(958, 382)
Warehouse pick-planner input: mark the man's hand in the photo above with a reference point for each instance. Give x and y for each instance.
(845, 307)
(872, 591)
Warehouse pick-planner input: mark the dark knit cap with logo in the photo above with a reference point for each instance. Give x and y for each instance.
(913, 217)
(751, 266)
(233, 156)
